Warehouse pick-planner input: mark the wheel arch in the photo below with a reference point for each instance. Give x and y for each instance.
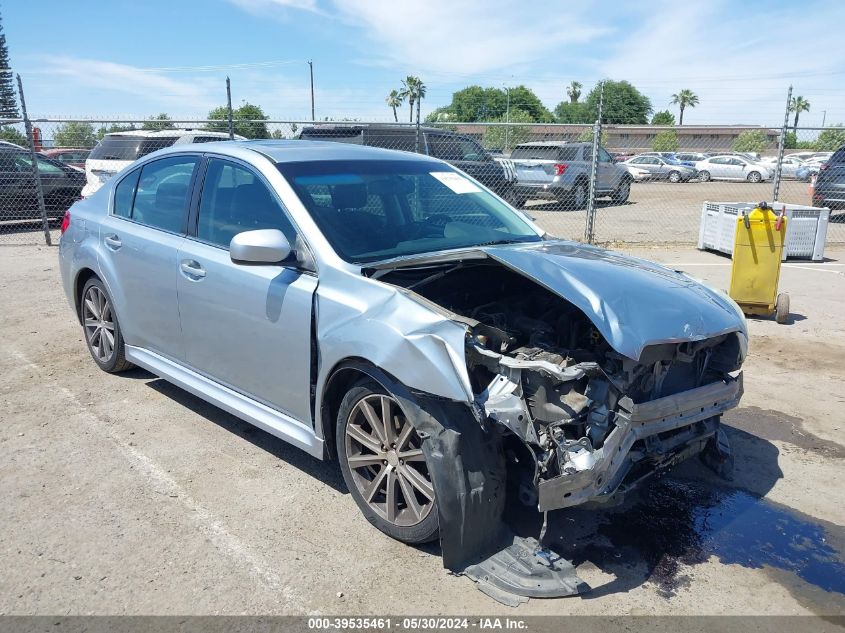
(82, 277)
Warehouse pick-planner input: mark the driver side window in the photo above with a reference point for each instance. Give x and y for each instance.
(234, 199)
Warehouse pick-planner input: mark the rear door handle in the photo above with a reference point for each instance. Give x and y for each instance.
(192, 269)
(112, 241)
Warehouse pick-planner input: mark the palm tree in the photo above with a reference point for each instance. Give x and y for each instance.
(685, 99)
(420, 87)
(413, 89)
(798, 105)
(394, 100)
(574, 91)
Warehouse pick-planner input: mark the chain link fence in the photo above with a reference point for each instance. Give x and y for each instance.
(649, 182)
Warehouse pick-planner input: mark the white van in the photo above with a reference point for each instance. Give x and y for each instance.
(118, 149)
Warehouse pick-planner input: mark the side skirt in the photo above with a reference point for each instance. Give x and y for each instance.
(274, 422)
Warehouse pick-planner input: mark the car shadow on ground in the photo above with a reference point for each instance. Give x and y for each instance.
(327, 472)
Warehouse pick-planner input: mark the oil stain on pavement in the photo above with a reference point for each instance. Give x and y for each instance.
(677, 523)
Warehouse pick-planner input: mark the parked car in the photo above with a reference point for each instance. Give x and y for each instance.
(789, 165)
(61, 185)
(621, 157)
(119, 149)
(668, 156)
(465, 153)
(829, 188)
(637, 173)
(664, 168)
(807, 156)
(807, 171)
(556, 170)
(691, 157)
(384, 309)
(73, 156)
(731, 168)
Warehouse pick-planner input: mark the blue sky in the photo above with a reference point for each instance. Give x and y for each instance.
(131, 58)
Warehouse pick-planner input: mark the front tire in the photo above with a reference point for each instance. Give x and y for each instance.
(103, 336)
(754, 176)
(383, 464)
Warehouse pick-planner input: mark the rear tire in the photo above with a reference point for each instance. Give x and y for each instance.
(704, 176)
(577, 198)
(383, 465)
(101, 329)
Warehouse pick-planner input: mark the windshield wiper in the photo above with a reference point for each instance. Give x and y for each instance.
(499, 242)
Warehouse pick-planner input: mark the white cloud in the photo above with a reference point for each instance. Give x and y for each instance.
(461, 37)
(260, 6)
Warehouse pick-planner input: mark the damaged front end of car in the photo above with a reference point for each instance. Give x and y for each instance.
(596, 371)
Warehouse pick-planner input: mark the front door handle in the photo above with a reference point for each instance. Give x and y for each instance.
(192, 269)
(112, 241)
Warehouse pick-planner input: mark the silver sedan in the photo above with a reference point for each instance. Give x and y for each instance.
(385, 310)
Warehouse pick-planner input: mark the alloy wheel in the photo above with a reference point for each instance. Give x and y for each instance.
(98, 320)
(386, 462)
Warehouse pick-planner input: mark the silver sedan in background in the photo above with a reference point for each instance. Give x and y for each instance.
(732, 168)
(384, 310)
(663, 168)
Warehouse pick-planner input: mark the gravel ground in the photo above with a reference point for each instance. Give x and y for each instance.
(125, 495)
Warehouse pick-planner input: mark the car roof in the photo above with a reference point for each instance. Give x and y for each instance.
(297, 151)
(551, 144)
(168, 133)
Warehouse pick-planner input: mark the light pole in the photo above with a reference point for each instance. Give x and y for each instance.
(311, 70)
(824, 116)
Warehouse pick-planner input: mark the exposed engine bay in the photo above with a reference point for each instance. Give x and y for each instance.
(592, 420)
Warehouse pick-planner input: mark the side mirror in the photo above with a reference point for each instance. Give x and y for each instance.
(264, 246)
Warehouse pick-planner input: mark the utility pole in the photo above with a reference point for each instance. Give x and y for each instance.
(589, 230)
(824, 116)
(229, 109)
(507, 116)
(311, 70)
(781, 144)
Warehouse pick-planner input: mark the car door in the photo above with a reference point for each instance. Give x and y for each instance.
(718, 167)
(17, 186)
(140, 239)
(246, 326)
(736, 169)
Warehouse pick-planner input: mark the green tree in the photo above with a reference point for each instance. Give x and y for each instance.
(568, 112)
(161, 121)
(8, 94)
(75, 134)
(798, 105)
(13, 135)
(623, 103)
(587, 137)
(475, 103)
(248, 121)
(831, 139)
(394, 100)
(573, 91)
(507, 136)
(790, 140)
(413, 89)
(665, 141)
(111, 129)
(751, 141)
(684, 99)
(664, 117)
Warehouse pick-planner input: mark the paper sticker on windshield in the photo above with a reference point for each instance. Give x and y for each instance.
(456, 182)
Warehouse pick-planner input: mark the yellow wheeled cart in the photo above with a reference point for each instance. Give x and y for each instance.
(758, 248)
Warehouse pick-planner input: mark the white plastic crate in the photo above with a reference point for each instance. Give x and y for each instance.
(806, 228)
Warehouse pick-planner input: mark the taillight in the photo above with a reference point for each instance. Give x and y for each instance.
(560, 168)
(65, 222)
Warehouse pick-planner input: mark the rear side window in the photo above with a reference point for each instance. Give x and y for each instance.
(546, 152)
(392, 139)
(124, 194)
(235, 199)
(454, 148)
(161, 196)
(126, 147)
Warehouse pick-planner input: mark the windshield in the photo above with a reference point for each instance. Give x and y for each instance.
(373, 210)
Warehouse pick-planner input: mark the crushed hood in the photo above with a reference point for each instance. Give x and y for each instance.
(632, 302)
